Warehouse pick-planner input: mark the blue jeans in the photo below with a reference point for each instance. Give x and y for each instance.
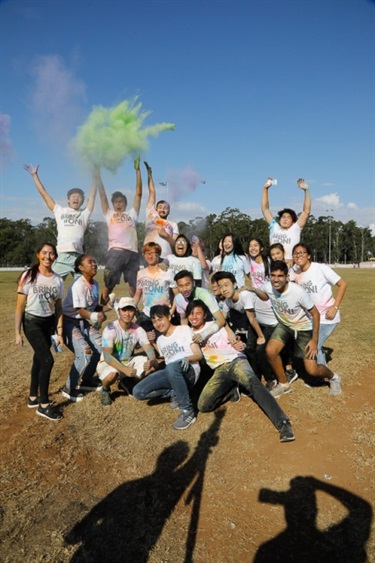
(325, 331)
(86, 344)
(239, 372)
(167, 382)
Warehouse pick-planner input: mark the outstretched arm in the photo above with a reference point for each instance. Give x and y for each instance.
(151, 187)
(92, 196)
(265, 204)
(102, 194)
(138, 186)
(302, 219)
(33, 171)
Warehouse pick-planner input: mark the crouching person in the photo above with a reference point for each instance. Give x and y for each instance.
(175, 344)
(119, 340)
(232, 370)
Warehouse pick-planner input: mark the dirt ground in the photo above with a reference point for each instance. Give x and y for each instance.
(119, 484)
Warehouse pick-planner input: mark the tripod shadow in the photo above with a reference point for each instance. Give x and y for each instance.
(344, 542)
(126, 524)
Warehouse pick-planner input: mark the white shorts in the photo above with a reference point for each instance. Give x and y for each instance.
(137, 362)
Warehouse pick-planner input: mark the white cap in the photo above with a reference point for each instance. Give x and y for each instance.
(126, 302)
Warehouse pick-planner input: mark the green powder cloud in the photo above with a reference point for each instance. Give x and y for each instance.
(109, 135)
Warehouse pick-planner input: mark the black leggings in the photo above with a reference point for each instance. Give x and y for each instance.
(38, 332)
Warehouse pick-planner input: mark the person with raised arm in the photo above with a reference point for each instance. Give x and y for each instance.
(71, 221)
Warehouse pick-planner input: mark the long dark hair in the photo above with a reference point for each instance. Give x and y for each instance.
(237, 246)
(263, 256)
(32, 272)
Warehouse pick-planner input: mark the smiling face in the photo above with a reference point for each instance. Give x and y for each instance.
(75, 200)
(180, 246)
(279, 280)
(88, 267)
(255, 249)
(162, 324)
(301, 257)
(46, 256)
(185, 286)
(228, 245)
(162, 209)
(227, 288)
(126, 315)
(276, 254)
(151, 257)
(197, 318)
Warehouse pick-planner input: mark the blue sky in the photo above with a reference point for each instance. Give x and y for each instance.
(255, 88)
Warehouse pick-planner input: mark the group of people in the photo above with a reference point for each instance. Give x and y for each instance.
(199, 318)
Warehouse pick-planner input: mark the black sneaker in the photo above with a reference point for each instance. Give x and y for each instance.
(91, 385)
(106, 397)
(291, 375)
(72, 394)
(32, 403)
(286, 432)
(49, 412)
(126, 385)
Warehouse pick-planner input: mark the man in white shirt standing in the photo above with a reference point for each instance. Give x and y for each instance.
(123, 256)
(71, 221)
(159, 228)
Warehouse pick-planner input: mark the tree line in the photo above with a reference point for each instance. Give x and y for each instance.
(344, 242)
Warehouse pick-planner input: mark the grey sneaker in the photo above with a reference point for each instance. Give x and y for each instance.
(335, 385)
(186, 419)
(106, 397)
(271, 384)
(286, 432)
(72, 394)
(291, 375)
(281, 389)
(174, 404)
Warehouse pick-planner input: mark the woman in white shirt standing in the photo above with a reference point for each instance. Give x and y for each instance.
(232, 259)
(318, 279)
(38, 309)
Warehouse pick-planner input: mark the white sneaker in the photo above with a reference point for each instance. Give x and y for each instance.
(281, 389)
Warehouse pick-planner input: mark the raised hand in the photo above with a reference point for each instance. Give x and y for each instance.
(302, 184)
(31, 169)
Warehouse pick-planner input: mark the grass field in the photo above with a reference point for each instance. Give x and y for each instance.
(119, 484)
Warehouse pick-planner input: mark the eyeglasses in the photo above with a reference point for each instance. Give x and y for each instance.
(181, 242)
(151, 253)
(299, 253)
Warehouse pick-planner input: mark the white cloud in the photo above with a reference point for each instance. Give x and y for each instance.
(352, 205)
(329, 200)
(56, 98)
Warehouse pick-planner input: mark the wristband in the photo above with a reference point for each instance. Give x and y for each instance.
(336, 308)
(94, 317)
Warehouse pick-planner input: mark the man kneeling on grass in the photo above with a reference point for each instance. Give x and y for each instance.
(231, 369)
(175, 344)
(118, 342)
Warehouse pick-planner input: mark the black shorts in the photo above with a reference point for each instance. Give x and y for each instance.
(119, 261)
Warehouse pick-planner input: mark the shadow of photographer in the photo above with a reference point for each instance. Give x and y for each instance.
(344, 542)
(127, 523)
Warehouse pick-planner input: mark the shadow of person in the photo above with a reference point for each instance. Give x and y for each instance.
(125, 525)
(302, 541)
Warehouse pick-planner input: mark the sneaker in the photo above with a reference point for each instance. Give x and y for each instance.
(174, 404)
(91, 385)
(271, 384)
(291, 375)
(335, 385)
(126, 386)
(106, 397)
(235, 396)
(281, 389)
(49, 412)
(186, 419)
(286, 432)
(72, 394)
(32, 403)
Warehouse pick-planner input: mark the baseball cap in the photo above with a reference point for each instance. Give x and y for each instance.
(126, 302)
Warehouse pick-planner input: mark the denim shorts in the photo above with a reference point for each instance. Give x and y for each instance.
(300, 339)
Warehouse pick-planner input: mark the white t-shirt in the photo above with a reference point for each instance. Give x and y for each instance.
(217, 349)
(237, 265)
(263, 309)
(81, 295)
(200, 293)
(42, 294)
(291, 307)
(155, 288)
(122, 342)
(178, 263)
(287, 237)
(317, 281)
(122, 231)
(153, 222)
(177, 346)
(71, 227)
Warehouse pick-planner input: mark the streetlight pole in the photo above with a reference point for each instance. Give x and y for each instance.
(329, 234)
